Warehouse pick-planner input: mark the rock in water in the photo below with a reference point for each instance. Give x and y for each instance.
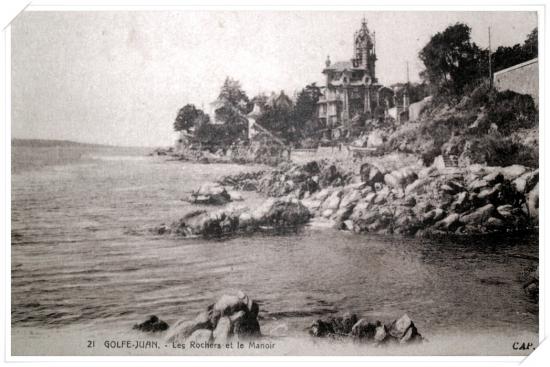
(211, 193)
(320, 328)
(380, 333)
(184, 328)
(152, 324)
(222, 332)
(274, 213)
(232, 315)
(363, 330)
(404, 330)
(246, 326)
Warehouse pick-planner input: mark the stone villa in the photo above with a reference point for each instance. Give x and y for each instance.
(352, 90)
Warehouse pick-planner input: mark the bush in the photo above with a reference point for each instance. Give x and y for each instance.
(512, 111)
(219, 135)
(497, 150)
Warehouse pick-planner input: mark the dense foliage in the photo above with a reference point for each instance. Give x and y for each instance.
(452, 60)
(232, 103)
(504, 56)
(186, 117)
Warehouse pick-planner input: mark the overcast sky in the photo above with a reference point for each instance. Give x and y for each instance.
(120, 77)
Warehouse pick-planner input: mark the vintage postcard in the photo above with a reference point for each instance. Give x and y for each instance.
(262, 182)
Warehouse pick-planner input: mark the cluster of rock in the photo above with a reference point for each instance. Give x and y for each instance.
(422, 201)
(162, 152)
(348, 326)
(245, 181)
(232, 316)
(273, 214)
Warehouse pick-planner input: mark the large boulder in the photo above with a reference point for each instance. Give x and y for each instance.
(234, 315)
(417, 186)
(273, 213)
(533, 203)
(449, 223)
(333, 201)
(512, 172)
(183, 328)
(521, 183)
(404, 330)
(284, 212)
(330, 176)
(479, 215)
(371, 174)
(363, 330)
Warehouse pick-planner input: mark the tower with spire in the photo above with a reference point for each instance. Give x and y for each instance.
(351, 88)
(365, 50)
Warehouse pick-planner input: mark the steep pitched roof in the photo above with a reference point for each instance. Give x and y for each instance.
(340, 66)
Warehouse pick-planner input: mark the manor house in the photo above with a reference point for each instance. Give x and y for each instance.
(352, 91)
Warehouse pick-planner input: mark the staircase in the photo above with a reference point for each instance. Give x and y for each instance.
(450, 160)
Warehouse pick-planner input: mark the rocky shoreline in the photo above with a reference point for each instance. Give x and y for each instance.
(236, 317)
(410, 201)
(413, 201)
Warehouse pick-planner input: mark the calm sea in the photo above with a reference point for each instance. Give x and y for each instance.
(83, 258)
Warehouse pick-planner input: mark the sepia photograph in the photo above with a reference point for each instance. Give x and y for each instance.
(260, 182)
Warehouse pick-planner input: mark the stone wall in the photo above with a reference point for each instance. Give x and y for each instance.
(521, 78)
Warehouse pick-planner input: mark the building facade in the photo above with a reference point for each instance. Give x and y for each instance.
(351, 88)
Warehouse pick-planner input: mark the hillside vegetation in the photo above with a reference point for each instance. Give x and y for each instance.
(486, 127)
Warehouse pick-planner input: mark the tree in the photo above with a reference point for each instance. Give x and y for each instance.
(304, 115)
(201, 119)
(232, 103)
(186, 117)
(452, 61)
(277, 117)
(531, 44)
(306, 104)
(504, 56)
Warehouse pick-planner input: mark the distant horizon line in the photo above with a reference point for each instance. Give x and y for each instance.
(18, 142)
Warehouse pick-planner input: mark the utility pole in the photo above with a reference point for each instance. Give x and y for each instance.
(490, 64)
(407, 72)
